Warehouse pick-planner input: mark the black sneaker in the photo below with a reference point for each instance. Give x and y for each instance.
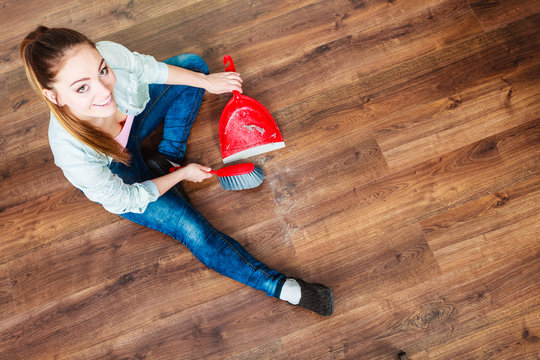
(160, 166)
(316, 297)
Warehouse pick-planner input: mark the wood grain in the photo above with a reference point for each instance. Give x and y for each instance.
(444, 125)
(7, 306)
(470, 232)
(436, 312)
(495, 14)
(443, 183)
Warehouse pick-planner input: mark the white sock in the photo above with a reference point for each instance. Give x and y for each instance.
(291, 292)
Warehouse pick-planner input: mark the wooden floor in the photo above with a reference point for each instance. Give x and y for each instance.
(410, 184)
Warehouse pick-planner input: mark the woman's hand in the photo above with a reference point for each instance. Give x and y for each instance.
(194, 172)
(224, 82)
(191, 172)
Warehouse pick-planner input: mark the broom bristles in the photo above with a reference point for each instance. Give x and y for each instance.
(243, 182)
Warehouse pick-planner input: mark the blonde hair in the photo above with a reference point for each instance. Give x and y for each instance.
(43, 53)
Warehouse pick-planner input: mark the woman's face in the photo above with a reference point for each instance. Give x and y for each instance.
(85, 84)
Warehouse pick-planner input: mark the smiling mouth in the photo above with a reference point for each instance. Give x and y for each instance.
(105, 103)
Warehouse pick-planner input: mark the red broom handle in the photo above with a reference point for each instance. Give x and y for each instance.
(231, 170)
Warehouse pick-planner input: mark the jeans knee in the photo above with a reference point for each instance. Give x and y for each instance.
(201, 64)
(189, 61)
(195, 234)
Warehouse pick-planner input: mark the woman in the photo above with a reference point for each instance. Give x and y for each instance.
(104, 100)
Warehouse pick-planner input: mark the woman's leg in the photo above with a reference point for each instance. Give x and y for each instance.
(174, 216)
(176, 106)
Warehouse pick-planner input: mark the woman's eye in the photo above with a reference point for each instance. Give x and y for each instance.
(82, 89)
(104, 71)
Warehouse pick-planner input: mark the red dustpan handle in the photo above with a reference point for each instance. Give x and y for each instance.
(230, 67)
(228, 60)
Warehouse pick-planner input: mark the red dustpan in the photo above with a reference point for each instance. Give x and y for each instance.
(246, 128)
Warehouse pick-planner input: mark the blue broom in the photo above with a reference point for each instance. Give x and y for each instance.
(237, 177)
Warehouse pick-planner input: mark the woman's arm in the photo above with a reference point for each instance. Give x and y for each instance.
(215, 83)
(191, 172)
(148, 70)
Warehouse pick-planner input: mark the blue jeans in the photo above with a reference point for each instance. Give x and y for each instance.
(177, 107)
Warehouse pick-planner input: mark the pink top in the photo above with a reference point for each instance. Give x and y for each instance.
(123, 137)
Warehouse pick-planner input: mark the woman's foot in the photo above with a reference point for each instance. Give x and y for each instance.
(315, 297)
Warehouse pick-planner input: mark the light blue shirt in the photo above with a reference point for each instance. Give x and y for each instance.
(85, 168)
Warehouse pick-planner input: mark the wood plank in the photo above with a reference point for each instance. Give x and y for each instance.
(36, 224)
(498, 227)
(269, 351)
(431, 129)
(30, 177)
(4, 107)
(511, 339)
(502, 245)
(25, 132)
(95, 20)
(71, 320)
(434, 312)
(7, 305)
(472, 301)
(418, 193)
(26, 147)
(496, 210)
(203, 340)
(496, 14)
(370, 266)
(445, 71)
(51, 272)
(249, 207)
